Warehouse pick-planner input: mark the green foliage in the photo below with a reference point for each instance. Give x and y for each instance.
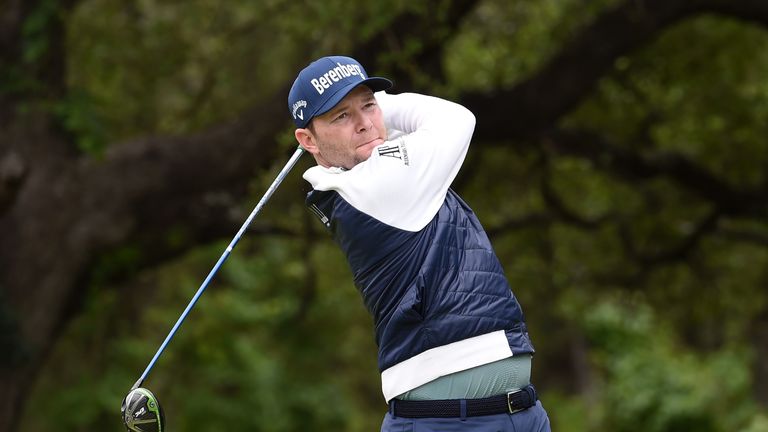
(15, 348)
(122, 261)
(20, 78)
(78, 115)
(264, 349)
(15, 80)
(504, 42)
(654, 384)
(35, 31)
(627, 338)
(175, 67)
(716, 115)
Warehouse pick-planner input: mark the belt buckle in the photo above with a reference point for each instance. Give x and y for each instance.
(509, 401)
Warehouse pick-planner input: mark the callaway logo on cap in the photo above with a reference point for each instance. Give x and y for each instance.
(324, 83)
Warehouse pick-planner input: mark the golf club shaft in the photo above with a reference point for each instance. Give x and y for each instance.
(291, 162)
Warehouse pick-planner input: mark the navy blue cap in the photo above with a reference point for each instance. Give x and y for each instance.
(324, 83)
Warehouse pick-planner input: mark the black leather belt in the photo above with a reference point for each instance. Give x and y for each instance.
(510, 403)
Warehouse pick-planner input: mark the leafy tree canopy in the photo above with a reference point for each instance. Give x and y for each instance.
(619, 165)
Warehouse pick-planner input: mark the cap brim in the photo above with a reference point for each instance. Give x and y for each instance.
(376, 84)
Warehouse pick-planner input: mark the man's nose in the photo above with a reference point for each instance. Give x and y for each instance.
(364, 123)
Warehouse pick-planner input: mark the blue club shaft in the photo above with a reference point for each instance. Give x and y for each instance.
(279, 179)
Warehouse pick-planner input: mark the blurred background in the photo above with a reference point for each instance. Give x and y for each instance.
(619, 164)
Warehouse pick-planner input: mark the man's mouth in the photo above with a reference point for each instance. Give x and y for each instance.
(369, 142)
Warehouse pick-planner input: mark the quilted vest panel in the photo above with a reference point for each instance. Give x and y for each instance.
(429, 288)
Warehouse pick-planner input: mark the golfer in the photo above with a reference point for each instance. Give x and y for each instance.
(454, 351)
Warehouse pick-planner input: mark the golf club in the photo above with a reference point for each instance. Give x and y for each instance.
(140, 410)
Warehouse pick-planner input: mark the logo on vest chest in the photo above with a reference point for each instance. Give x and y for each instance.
(320, 215)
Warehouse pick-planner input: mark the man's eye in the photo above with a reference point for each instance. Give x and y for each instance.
(341, 116)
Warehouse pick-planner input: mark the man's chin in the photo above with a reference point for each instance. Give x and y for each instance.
(363, 153)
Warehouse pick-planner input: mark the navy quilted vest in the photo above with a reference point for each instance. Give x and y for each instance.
(428, 288)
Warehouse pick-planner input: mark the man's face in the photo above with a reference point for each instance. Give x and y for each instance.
(346, 135)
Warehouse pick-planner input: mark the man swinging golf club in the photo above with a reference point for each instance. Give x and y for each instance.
(454, 351)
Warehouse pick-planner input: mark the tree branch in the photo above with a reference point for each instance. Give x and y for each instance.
(623, 163)
(423, 33)
(569, 76)
(744, 236)
(676, 253)
(556, 205)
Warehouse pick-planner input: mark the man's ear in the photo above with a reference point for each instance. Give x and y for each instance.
(306, 139)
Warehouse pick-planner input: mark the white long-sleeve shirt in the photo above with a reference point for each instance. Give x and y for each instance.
(406, 178)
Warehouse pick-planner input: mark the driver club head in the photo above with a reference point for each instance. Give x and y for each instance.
(141, 412)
